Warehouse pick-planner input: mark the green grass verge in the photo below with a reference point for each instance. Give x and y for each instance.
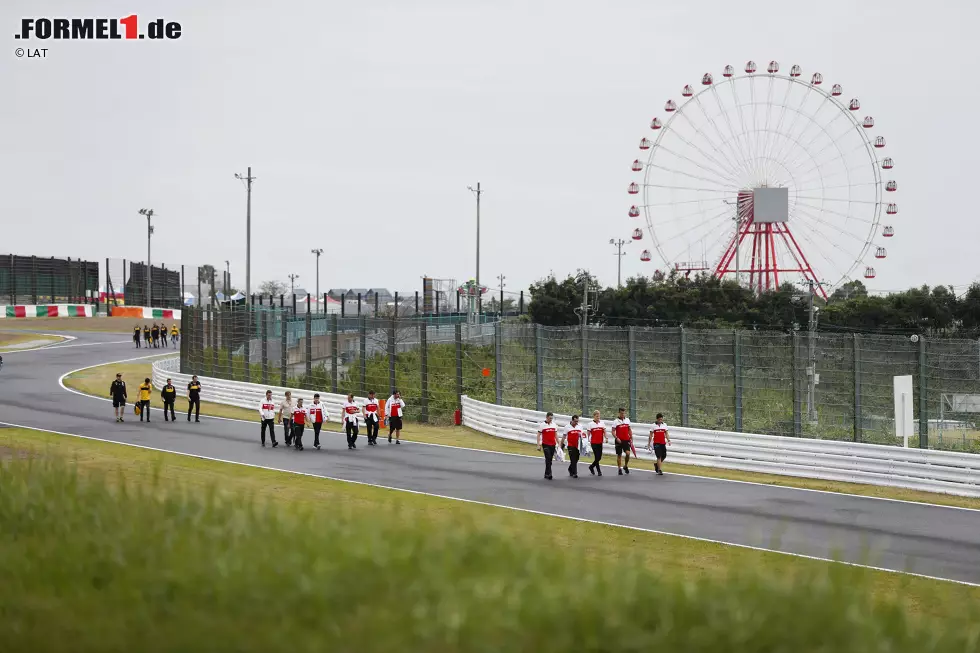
(16, 341)
(96, 380)
(114, 548)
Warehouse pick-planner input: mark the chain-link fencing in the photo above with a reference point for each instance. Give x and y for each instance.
(41, 280)
(819, 385)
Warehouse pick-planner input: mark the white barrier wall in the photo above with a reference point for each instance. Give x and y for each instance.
(917, 469)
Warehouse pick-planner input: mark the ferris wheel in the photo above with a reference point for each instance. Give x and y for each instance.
(764, 177)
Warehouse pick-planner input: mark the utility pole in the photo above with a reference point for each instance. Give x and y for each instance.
(479, 296)
(248, 179)
(317, 252)
(149, 232)
(227, 278)
(619, 260)
(500, 278)
(586, 307)
(292, 280)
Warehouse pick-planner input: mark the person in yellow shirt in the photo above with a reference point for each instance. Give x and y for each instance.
(174, 334)
(144, 399)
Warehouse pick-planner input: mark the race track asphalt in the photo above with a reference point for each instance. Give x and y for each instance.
(917, 538)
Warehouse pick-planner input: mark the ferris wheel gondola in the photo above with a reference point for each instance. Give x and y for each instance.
(766, 177)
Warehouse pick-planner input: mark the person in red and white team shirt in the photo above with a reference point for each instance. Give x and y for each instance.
(372, 418)
(570, 441)
(300, 417)
(623, 432)
(352, 415)
(659, 438)
(597, 436)
(318, 415)
(267, 413)
(395, 407)
(548, 441)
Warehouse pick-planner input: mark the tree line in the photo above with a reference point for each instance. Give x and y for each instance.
(707, 302)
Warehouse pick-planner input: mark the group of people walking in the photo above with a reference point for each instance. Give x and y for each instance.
(168, 394)
(573, 440)
(155, 335)
(295, 417)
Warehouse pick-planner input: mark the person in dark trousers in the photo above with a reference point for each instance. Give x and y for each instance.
(548, 441)
(299, 423)
(117, 390)
(570, 442)
(267, 413)
(194, 399)
(145, 391)
(318, 415)
(163, 335)
(136, 335)
(659, 439)
(169, 396)
(351, 417)
(623, 434)
(372, 418)
(146, 336)
(597, 436)
(155, 335)
(286, 417)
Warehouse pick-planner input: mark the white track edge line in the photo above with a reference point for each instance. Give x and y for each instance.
(505, 507)
(522, 455)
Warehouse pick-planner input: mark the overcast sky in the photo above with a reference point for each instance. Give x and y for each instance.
(364, 122)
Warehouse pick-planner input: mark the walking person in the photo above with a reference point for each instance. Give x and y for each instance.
(194, 399)
(117, 390)
(286, 407)
(146, 336)
(267, 413)
(352, 415)
(145, 390)
(659, 438)
(395, 407)
(570, 441)
(136, 335)
(163, 335)
(318, 415)
(174, 334)
(547, 441)
(300, 417)
(597, 436)
(169, 396)
(623, 433)
(155, 335)
(372, 418)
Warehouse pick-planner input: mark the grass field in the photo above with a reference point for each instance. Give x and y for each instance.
(16, 341)
(96, 380)
(55, 324)
(113, 548)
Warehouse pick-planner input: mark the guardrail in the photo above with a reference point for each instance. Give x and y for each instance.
(831, 460)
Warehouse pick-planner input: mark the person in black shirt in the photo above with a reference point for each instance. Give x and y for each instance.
(136, 335)
(163, 334)
(118, 393)
(194, 399)
(146, 335)
(169, 396)
(155, 334)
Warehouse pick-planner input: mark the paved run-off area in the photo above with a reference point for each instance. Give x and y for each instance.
(925, 539)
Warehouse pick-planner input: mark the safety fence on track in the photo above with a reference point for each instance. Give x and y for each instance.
(916, 469)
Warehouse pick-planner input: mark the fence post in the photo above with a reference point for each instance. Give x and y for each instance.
(737, 346)
(362, 334)
(858, 422)
(294, 305)
(52, 279)
(265, 347)
(358, 304)
(416, 302)
(797, 399)
(539, 366)
(923, 399)
(424, 354)
(498, 353)
(249, 325)
(190, 319)
(585, 369)
(283, 345)
(685, 418)
(521, 309)
(459, 365)
(391, 353)
(631, 342)
(334, 351)
(33, 279)
(213, 324)
(309, 340)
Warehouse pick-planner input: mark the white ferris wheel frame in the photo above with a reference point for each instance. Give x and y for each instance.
(720, 155)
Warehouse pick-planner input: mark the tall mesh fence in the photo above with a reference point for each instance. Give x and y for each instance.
(818, 385)
(47, 280)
